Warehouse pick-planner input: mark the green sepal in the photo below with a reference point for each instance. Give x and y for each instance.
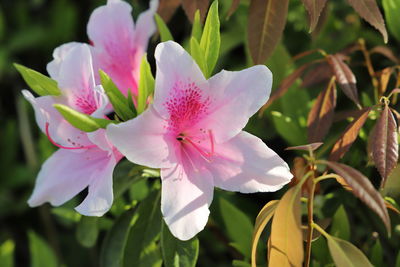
(165, 34)
(146, 84)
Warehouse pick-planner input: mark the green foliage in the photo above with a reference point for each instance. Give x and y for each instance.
(196, 28)
(392, 10)
(146, 84)
(7, 253)
(41, 254)
(340, 224)
(163, 29)
(198, 54)
(87, 231)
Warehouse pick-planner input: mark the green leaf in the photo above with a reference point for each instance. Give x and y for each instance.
(177, 253)
(238, 227)
(112, 251)
(340, 224)
(146, 84)
(398, 260)
(345, 254)
(377, 254)
(392, 11)
(238, 263)
(117, 99)
(163, 29)
(87, 231)
(41, 84)
(198, 54)
(41, 254)
(144, 232)
(7, 253)
(80, 120)
(196, 28)
(211, 40)
(288, 129)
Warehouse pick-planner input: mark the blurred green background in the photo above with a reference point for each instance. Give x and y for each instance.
(30, 30)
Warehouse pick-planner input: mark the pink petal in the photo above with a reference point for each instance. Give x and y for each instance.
(100, 197)
(61, 131)
(143, 140)
(247, 165)
(111, 30)
(185, 197)
(175, 65)
(237, 96)
(65, 174)
(53, 68)
(145, 26)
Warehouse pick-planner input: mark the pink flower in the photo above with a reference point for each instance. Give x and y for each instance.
(83, 160)
(193, 132)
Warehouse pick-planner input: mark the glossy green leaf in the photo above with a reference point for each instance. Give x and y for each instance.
(345, 254)
(238, 227)
(87, 231)
(288, 129)
(80, 120)
(117, 99)
(198, 54)
(165, 34)
(41, 253)
(144, 232)
(211, 40)
(197, 28)
(377, 254)
(340, 224)
(7, 253)
(41, 84)
(146, 84)
(177, 253)
(392, 11)
(112, 251)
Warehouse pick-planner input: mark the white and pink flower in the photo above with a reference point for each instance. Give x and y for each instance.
(193, 132)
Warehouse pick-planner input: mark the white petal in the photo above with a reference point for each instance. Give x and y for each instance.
(53, 67)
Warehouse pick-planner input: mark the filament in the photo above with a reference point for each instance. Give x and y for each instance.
(61, 146)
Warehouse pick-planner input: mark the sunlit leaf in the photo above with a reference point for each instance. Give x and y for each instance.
(197, 29)
(146, 85)
(190, 7)
(267, 19)
(349, 135)
(369, 10)
(392, 205)
(286, 225)
(340, 224)
(163, 29)
(363, 189)
(385, 144)
(321, 114)
(314, 9)
(7, 253)
(344, 77)
(345, 254)
(392, 11)
(177, 253)
(198, 54)
(263, 217)
(87, 231)
(42, 254)
(384, 77)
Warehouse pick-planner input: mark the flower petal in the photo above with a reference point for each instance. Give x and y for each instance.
(237, 95)
(111, 30)
(174, 65)
(185, 197)
(53, 67)
(100, 197)
(247, 165)
(65, 174)
(143, 140)
(145, 26)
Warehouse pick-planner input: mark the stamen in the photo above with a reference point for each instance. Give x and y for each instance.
(202, 153)
(60, 146)
(190, 160)
(210, 134)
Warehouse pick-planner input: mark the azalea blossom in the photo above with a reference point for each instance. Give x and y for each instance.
(193, 132)
(83, 160)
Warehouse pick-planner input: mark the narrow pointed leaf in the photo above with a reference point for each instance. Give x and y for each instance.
(263, 217)
(80, 120)
(177, 253)
(41, 254)
(345, 254)
(87, 231)
(363, 189)
(392, 11)
(320, 73)
(197, 29)
(234, 6)
(198, 54)
(146, 85)
(385, 145)
(384, 77)
(286, 247)
(163, 29)
(340, 224)
(369, 10)
(211, 40)
(308, 147)
(320, 117)
(386, 52)
(349, 135)
(267, 19)
(345, 77)
(190, 7)
(314, 9)
(39, 83)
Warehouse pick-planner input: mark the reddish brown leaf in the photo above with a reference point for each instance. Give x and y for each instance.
(320, 73)
(384, 77)
(383, 50)
(323, 18)
(267, 19)
(385, 145)
(166, 8)
(345, 114)
(345, 77)
(349, 135)
(234, 6)
(308, 147)
(391, 207)
(363, 189)
(369, 10)
(190, 7)
(314, 8)
(321, 114)
(285, 85)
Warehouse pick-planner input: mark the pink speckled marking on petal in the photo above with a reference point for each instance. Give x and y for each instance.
(76, 146)
(86, 102)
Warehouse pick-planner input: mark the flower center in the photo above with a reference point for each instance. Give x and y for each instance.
(86, 103)
(196, 143)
